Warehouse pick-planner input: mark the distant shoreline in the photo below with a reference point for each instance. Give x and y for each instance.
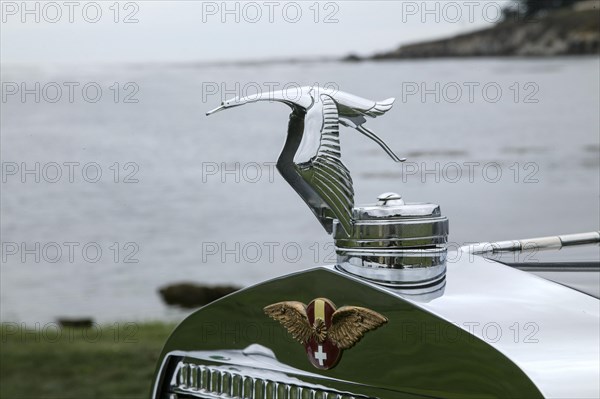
(565, 32)
(561, 33)
(342, 60)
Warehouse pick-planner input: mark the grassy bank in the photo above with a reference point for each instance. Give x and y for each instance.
(107, 361)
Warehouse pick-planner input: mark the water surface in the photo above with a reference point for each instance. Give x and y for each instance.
(543, 139)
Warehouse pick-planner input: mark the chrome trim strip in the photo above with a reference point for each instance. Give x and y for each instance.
(534, 244)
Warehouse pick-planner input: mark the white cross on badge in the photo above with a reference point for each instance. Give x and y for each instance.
(321, 356)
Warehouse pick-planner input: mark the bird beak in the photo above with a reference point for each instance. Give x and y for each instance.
(222, 107)
(214, 111)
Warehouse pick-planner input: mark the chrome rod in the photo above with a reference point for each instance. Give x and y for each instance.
(534, 244)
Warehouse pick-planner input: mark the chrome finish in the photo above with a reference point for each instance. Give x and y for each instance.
(246, 374)
(311, 157)
(380, 268)
(390, 199)
(557, 267)
(581, 276)
(580, 239)
(214, 111)
(394, 226)
(470, 327)
(394, 209)
(534, 244)
(395, 243)
(392, 242)
(544, 327)
(489, 330)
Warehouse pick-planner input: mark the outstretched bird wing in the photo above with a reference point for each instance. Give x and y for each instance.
(292, 315)
(380, 107)
(350, 323)
(328, 176)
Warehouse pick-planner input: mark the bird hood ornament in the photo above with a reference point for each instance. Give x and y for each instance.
(311, 158)
(391, 242)
(324, 331)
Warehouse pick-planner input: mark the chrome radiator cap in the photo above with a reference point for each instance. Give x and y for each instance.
(395, 243)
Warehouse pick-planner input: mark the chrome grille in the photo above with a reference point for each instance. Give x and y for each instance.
(202, 381)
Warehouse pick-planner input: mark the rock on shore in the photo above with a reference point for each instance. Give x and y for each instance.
(190, 295)
(562, 32)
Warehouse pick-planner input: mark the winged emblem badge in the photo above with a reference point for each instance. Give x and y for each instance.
(324, 330)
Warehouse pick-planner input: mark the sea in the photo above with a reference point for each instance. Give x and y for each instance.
(115, 183)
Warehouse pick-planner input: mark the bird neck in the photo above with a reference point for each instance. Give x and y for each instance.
(289, 171)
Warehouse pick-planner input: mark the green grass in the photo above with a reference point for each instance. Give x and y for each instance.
(46, 362)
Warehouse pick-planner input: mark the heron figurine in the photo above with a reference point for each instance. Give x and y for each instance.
(311, 158)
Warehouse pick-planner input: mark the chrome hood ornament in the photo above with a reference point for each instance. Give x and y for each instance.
(311, 157)
(390, 242)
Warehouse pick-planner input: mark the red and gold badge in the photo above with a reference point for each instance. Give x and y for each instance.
(324, 331)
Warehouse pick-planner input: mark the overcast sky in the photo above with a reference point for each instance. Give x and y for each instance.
(196, 31)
